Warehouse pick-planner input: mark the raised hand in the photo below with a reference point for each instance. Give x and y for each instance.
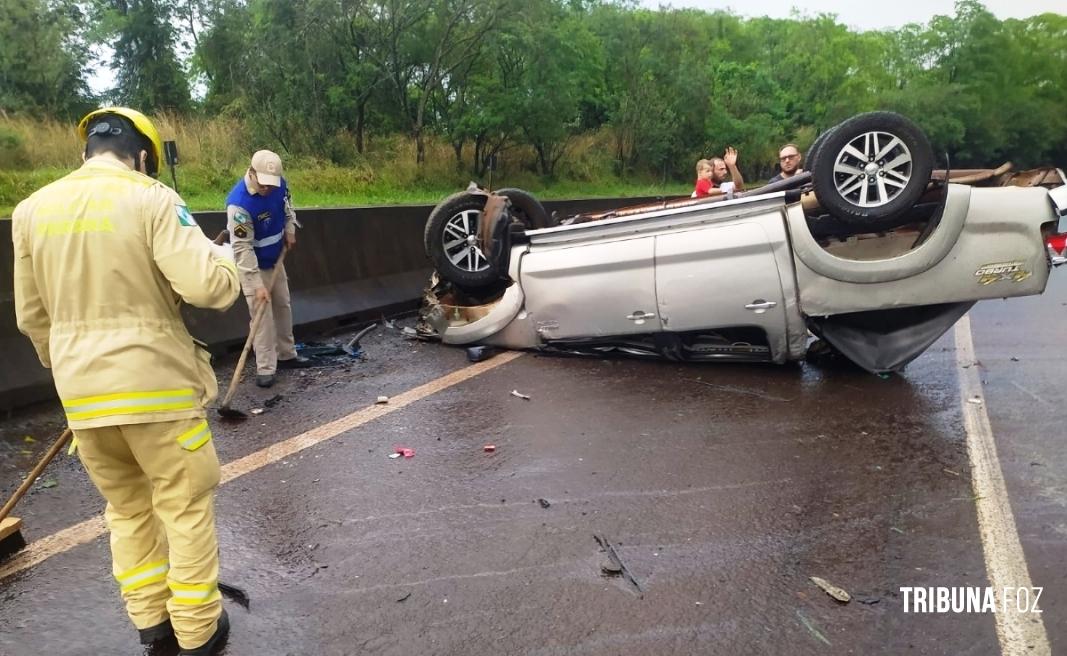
(730, 156)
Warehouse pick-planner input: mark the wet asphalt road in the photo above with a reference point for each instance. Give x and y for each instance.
(723, 489)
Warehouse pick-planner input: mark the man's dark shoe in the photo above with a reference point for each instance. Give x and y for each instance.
(294, 363)
(217, 641)
(159, 640)
(264, 380)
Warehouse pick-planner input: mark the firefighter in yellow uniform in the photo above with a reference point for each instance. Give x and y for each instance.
(103, 258)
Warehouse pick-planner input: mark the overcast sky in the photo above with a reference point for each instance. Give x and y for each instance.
(868, 15)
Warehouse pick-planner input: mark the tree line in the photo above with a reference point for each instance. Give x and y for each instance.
(486, 76)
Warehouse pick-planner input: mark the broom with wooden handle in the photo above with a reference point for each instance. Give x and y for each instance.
(11, 539)
(225, 411)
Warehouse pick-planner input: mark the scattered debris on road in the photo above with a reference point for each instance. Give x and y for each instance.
(51, 482)
(405, 451)
(273, 401)
(519, 394)
(489, 448)
(257, 411)
(974, 400)
(382, 399)
(544, 503)
(404, 598)
(616, 561)
(610, 567)
(352, 347)
(235, 594)
(394, 455)
(829, 588)
(319, 350)
(812, 628)
(479, 353)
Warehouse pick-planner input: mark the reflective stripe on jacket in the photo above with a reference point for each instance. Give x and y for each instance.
(103, 258)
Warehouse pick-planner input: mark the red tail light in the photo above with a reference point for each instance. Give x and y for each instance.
(1057, 248)
(1058, 243)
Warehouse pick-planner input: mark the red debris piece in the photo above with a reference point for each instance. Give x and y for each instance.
(489, 448)
(406, 452)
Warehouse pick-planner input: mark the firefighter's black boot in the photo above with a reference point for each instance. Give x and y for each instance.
(217, 641)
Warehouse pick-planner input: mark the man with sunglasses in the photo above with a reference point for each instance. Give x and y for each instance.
(789, 160)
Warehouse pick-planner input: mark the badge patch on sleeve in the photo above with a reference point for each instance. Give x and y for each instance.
(241, 216)
(240, 232)
(185, 217)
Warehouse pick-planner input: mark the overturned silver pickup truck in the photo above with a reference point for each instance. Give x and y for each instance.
(871, 250)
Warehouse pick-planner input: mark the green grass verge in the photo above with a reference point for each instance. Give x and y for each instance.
(202, 190)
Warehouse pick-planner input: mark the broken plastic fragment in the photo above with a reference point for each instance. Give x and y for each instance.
(382, 399)
(257, 411)
(610, 567)
(519, 394)
(404, 451)
(974, 400)
(812, 628)
(829, 588)
(479, 353)
(489, 448)
(394, 455)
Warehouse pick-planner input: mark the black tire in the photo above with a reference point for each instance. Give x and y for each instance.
(527, 209)
(886, 182)
(816, 146)
(454, 217)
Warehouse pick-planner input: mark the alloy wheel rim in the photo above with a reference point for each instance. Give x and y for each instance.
(461, 242)
(873, 169)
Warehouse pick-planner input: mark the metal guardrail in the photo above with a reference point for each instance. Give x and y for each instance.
(350, 264)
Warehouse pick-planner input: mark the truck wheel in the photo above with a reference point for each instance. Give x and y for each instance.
(527, 209)
(451, 240)
(816, 146)
(872, 167)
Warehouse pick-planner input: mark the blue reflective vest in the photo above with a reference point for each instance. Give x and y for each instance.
(268, 220)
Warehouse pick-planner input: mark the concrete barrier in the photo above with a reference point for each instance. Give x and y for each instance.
(350, 264)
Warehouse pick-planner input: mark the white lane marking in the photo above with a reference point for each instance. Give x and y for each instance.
(87, 531)
(1019, 633)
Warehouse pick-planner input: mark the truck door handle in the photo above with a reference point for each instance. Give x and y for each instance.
(759, 306)
(639, 316)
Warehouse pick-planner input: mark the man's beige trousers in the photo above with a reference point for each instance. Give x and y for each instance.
(159, 481)
(273, 339)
